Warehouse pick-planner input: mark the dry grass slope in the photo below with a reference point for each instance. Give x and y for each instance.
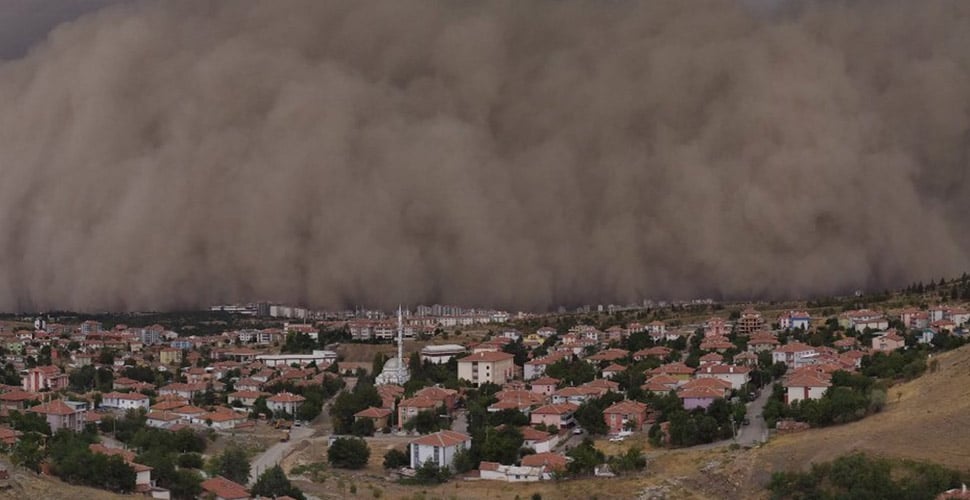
(33, 486)
(925, 419)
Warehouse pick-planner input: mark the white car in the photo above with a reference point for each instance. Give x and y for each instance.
(578, 430)
(617, 439)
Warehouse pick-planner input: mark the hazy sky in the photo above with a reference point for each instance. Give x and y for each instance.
(519, 154)
(23, 22)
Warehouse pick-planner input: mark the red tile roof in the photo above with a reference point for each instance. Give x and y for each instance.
(56, 407)
(555, 409)
(442, 439)
(286, 397)
(373, 412)
(551, 461)
(222, 487)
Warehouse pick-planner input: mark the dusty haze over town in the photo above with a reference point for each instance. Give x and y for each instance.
(517, 154)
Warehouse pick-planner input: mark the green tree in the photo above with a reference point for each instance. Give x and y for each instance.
(429, 473)
(273, 483)
(185, 485)
(501, 446)
(28, 452)
(463, 461)
(348, 453)
(231, 464)
(395, 458)
(346, 404)
(585, 458)
(29, 422)
(572, 371)
(425, 422)
(590, 413)
(363, 427)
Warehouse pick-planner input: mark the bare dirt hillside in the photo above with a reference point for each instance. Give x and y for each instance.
(926, 419)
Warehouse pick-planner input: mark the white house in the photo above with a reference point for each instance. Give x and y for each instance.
(794, 319)
(737, 376)
(541, 442)
(125, 401)
(486, 367)
(285, 401)
(495, 471)
(805, 386)
(162, 419)
(794, 354)
(536, 368)
(439, 448)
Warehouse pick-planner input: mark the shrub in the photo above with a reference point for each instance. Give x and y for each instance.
(348, 453)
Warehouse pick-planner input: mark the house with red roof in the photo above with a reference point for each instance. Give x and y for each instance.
(658, 352)
(536, 368)
(8, 436)
(717, 344)
(736, 376)
(612, 370)
(556, 415)
(550, 462)
(805, 385)
(494, 367)
(540, 441)
(61, 415)
(162, 419)
(247, 398)
(794, 354)
(661, 384)
(545, 386)
(698, 397)
(439, 448)
(16, 400)
(447, 397)
(409, 408)
(624, 415)
(494, 471)
(762, 341)
(125, 400)
(378, 416)
(608, 355)
(220, 488)
(888, 341)
(44, 378)
(677, 370)
(520, 399)
(285, 402)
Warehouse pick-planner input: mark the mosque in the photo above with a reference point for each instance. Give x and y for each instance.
(396, 369)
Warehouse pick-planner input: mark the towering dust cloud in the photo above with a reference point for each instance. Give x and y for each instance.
(518, 154)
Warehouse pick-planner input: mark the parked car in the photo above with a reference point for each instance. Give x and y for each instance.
(617, 439)
(578, 430)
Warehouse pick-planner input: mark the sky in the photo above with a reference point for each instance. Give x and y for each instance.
(160, 155)
(25, 22)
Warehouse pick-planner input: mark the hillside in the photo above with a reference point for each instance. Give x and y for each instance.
(925, 419)
(24, 484)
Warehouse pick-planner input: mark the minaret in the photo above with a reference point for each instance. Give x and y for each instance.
(400, 346)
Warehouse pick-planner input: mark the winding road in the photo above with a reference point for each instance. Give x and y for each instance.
(276, 453)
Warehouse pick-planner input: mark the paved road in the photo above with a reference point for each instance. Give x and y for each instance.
(275, 454)
(757, 430)
(460, 423)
